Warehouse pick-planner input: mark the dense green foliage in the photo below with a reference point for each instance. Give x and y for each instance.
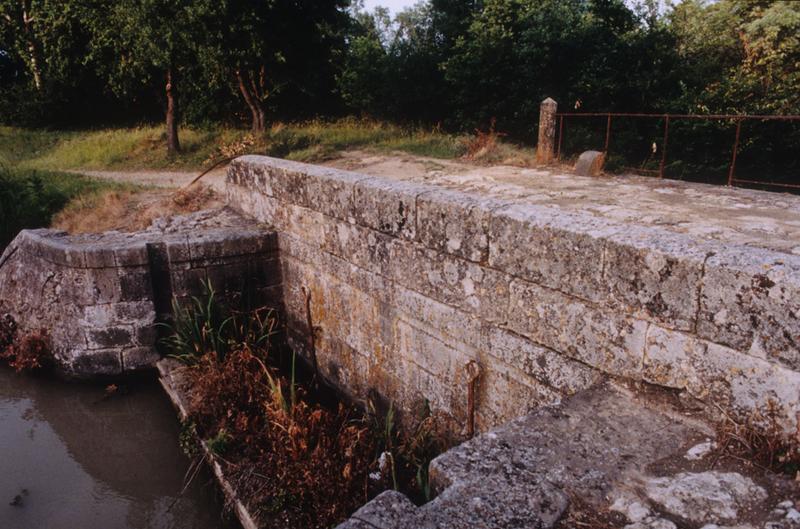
(458, 63)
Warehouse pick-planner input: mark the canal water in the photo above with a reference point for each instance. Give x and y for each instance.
(73, 458)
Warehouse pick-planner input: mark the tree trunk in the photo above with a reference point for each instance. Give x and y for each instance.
(173, 144)
(258, 98)
(253, 103)
(33, 54)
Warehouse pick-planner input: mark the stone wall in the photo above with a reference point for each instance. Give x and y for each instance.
(98, 297)
(407, 283)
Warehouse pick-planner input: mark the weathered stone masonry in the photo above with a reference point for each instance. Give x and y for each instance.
(99, 296)
(409, 282)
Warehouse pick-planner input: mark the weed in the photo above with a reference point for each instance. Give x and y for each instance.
(220, 443)
(207, 325)
(302, 462)
(409, 451)
(27, 353)
(8, 331)
(483, 143)
(488, 147)
(761, 438)
(187, 439)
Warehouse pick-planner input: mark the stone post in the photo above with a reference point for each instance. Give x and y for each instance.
(546, 147)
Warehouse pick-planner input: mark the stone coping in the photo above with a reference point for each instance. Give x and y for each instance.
(743, 297)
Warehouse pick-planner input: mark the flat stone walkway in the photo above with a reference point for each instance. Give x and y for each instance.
(736, 215)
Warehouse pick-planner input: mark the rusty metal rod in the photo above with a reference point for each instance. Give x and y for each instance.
(664, 148)
(608, 136)
(773, 184)
(735, 152)
(679, 116)
(560, 136)
(473, 371)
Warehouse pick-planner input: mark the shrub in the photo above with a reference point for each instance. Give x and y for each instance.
(28, 352)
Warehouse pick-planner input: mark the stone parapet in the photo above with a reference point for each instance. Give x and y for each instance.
(409, 282)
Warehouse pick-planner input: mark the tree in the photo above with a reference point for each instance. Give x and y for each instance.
(151, 43)
(740, 56)
(21, 18)
(265, 46)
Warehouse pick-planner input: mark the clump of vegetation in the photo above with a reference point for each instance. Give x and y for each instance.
(28, 352)
(296, 457)
(488, 147)
(761, 439)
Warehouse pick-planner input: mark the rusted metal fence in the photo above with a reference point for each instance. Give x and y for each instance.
(736, 119)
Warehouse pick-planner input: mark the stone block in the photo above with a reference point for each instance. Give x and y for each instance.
(456, 223)
(750, 300)
(505, 393)
(132, 254)
(388, 206)
(332, 191)
(463, 284)
(590, 163)
(438, 358)
(364, 247)
(134, 312)
(55, 250)
(495, 502)
(707, 370)
(105, 285)
(388, 510)
(253, 172)
(109, 337)
(188, 282)
(146, 335)
(137, 358)
(603, 339)
(452, 324)
(556, 249)
(135, 284)
(99, 316)
(304, 224)
(177, 249)
(544, 365)
(99, 256)
(655, 275)
(89, 364)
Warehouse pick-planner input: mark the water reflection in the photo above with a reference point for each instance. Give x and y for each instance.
(71, 459)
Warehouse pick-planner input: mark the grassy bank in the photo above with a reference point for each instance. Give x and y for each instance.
(312, 141)
(30, 198)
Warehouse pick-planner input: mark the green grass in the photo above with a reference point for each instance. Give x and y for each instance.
(144, 147)
(30, 198)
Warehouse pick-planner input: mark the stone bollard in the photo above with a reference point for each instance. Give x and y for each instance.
(545, 148)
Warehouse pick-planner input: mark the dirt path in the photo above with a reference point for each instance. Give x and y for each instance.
(215, 179)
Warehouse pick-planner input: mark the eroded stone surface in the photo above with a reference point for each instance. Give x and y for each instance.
(443, 274)
(523, 474)
(706, 496)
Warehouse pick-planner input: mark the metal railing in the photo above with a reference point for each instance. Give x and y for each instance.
(736, 118)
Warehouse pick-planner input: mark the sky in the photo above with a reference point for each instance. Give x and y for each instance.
(393, 5)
